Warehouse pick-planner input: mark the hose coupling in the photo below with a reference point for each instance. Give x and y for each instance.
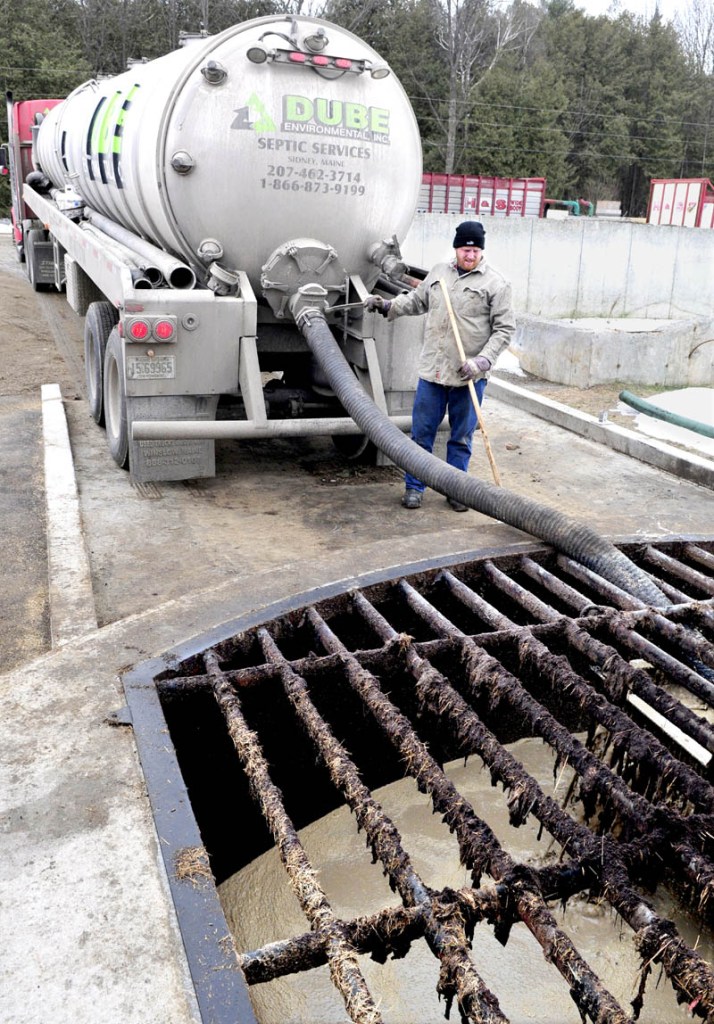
(308, 303)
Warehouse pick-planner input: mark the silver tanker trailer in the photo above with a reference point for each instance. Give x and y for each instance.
(219, 215)
(194, 205)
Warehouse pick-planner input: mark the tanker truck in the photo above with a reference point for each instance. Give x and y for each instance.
(219, 216)
(193, 206)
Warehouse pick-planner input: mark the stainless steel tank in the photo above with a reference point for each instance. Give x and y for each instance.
(278, 128)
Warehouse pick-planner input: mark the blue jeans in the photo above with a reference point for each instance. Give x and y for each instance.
(430, 404)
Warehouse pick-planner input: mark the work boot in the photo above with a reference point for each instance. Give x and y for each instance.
(457, 506)
(411, 498)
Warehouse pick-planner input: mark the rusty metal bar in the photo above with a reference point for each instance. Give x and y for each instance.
(476, 604)
(619, 677)
(698, 554)
(540, 611)
(676, 568)
(694, 646)
(388, 932)
(619, 598)
(687, 972)
(624, 634)
(563, 591)
(344, 967)
(503, 686)
(563, 679)
(444, 933)
(391, 931)
(640, 744)
(480, 848)
(617, 673)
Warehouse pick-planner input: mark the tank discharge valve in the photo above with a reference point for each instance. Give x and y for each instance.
(302, 263)
(309, 300)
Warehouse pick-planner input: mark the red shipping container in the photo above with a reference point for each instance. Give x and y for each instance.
(481, 194)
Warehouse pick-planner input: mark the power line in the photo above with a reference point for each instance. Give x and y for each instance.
(560, 112)
(560, 129)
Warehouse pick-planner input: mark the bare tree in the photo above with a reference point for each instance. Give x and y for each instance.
(473, 35)
(695, 27)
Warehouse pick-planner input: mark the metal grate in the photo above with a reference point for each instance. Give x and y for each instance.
(326, 701)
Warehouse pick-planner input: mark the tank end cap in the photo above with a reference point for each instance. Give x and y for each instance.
(214, 72)
(222, 281)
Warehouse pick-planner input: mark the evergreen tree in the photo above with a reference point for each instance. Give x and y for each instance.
(515, 127)
(40, 58)
(657, 93)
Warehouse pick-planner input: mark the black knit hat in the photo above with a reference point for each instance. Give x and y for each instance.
(471, 232)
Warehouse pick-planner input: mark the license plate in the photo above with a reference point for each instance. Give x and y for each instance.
(160, 368)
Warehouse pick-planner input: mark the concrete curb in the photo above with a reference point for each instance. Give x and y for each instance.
(655, 453)
(72, 611)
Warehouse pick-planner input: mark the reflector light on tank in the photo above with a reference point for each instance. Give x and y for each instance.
(259, 54)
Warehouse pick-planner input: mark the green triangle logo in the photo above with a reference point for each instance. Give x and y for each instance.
(263, 121)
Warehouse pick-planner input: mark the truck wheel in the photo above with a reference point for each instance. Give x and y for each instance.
(115, 401)
(100, 320)
(33, 237)
(355, 448)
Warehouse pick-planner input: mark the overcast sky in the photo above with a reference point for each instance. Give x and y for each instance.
(646, 8)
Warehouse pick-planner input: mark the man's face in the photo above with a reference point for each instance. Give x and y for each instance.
(468, 257)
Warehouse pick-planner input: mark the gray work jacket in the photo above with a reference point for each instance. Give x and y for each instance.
(482, 306)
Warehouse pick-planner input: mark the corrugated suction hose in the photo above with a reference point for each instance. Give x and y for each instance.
(563, 533)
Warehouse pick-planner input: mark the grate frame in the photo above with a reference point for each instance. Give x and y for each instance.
(215, 969)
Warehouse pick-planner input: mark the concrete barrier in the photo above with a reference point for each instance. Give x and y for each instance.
(586, 266)
(577, 283)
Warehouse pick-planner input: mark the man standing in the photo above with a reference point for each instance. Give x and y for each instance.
(481, 300)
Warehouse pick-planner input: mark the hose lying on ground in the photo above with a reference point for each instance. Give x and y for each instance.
(565, 534)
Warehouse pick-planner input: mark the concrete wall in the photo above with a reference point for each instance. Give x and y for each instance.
(584, 352)
(586, 266)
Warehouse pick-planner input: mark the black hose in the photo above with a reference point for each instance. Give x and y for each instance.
(565, 534)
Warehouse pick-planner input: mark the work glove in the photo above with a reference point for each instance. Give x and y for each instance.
(377, 303)
(474, 368)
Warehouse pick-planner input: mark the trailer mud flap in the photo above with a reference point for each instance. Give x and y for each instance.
(171, 460)
(42, 270)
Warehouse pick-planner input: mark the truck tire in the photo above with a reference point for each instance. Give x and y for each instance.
(32, 238)
(100, 320)
(115, 401)
(355, 448)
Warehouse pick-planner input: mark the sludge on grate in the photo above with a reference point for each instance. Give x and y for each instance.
(285, 720)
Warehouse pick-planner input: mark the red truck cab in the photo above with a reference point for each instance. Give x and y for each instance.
(16, 157)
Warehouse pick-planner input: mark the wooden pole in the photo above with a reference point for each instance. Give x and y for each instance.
(472, 389)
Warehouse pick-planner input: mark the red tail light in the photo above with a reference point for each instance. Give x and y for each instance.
(138, 330)
(164, 330)
(146, 328)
